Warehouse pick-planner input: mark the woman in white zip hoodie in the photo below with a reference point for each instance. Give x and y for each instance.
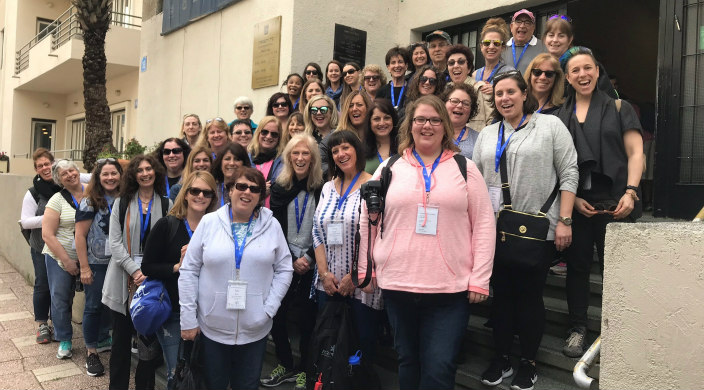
(236, 271)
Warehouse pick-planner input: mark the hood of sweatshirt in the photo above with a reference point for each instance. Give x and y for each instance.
(260, 225)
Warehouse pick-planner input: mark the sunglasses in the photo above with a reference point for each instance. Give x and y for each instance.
(105, 160)
(548, 73)
(371, 78)
(495, 42)
(311, 72)
(197, 191)
(430, 80)
(245, 132)
(272, 134)
(243, 187)
(323, 110)
(350, 72)
(507, 74)
(459, 62)
(215, 119)
(167, 151)
(279, 105)
(563, 17)
(245, 108)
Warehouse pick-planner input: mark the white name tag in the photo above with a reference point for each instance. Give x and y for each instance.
(495, 197)
(73, 244)
(335, 233)
(108, 252)
(427, 220)
(236, 295)
(138, 259)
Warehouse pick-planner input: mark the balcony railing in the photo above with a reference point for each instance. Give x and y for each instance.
(65, 28)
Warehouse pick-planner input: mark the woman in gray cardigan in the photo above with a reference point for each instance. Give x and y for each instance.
(143, 190)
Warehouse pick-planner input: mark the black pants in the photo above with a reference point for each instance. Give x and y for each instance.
(121, 356)
(517, 306)
(585, 233)
(304, 312)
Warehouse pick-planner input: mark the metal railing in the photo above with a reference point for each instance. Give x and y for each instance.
(65, 28)
(585, 363)
(69, 154)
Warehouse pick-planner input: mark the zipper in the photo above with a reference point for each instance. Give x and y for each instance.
(503, 237)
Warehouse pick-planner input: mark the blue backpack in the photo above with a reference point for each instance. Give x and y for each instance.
(150, 307)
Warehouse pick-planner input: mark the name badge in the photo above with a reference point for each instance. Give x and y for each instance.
(495, 197)
(335, 233)
(138, 259)
(73, 244)
(236, 295)
(107, 252)
(429, 215)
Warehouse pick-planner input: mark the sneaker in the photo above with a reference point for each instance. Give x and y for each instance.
(559, 269)
(499, 369)
(93, 365)
(300, 381)
(43, 334)
(64, 350)
(278, 376)
(574, 345)
(526, 376)
(105, 345)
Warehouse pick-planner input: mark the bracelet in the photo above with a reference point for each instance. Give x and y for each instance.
(633, 194)
(634, 188)
(322, 277)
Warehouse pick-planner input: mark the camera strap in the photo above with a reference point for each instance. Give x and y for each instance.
(355, 258)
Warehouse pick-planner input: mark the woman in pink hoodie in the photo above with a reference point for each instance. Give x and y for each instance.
(435, 252)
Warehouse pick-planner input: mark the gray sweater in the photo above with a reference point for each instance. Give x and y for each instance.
(535, 47)
(537, 156)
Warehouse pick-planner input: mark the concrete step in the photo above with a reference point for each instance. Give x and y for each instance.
(555, 288)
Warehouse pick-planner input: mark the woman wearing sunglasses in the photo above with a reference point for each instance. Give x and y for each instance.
(236, 271)
(93, 250)
(320, 117)
(172, 154)
(199, 159)
(225, 169)
(265, 151)
(352, 79)
(546, 82)
(165, 248)
(294, 197)
(428, 81)
(538, 154)
(607, 135)
(294, 85)
(280, 107)
(312, 71)
(311, 88)
(494, 36)
(215, 135)
(372, 79)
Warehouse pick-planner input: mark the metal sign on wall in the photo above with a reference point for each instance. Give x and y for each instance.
(178, 13)
(350, 45)
(266, 53)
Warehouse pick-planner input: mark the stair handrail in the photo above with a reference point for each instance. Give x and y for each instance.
(584, 364)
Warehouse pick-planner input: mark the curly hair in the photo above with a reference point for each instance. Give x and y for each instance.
(129, 184)
(414, 87)
(273, 99)
(452, 87)
(158, 153)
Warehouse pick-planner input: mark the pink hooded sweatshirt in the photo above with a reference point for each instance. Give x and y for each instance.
(459, 257)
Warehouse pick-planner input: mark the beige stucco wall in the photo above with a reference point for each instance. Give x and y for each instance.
(652, 316)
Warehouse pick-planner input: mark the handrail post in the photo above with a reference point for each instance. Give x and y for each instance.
(584, 364)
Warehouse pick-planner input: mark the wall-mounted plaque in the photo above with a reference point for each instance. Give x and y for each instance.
(350, 45)
(266, 52)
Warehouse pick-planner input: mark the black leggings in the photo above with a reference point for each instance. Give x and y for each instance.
(121, 357)
(517, 305)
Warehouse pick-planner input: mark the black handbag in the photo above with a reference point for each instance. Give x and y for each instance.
(188, 374)
(520, 236)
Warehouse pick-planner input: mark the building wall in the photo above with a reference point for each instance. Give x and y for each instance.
(652, 317)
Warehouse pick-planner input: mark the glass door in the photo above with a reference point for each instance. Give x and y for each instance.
(42, 134)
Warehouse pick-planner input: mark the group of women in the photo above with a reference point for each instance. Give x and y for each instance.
(242, 226)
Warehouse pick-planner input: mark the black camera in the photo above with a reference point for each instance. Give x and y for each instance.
(372, 194)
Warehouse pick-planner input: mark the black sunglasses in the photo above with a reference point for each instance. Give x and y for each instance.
(548, 73)
(167, 151)
(279, 105)
(269, 133)
(311, 72)
(243, 187)
(350, 72)
(197, 191)
(431, 80)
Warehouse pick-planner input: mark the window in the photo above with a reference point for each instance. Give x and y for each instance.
(45, 27)
(42, 133)
(78, 139)
(117, 120)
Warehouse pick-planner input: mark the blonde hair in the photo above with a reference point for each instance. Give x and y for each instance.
(183, 123)
(407, 124)
(304, 102)
(374, 69)
(344, 123)
(558, 86)
(308, 121)
(286, 137)
(180, 208)
(254, 147)
(315, 174)
(217, 122)
(497, 25)
(192, 156)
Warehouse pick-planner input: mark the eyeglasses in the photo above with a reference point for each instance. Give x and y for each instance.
(495, 42)
(279, 105)
(523, 22)
(167, 152)
(197, 191)
(245, 132)
(245, 108)
(350, 72)
(243, 187)
(459, 62)
(105, 160)
(218, 119)
(421, 121)
(548, 73)
(507, 74)
(430, 80)
(563, 17)
(371, 78)
(315, 110)
(272, 134)
(457, 102)
(311, 72)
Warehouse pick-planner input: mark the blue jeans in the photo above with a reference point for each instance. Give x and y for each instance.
(169, 336)
(41, 298)
(428, 332)
(61, 287)
(96, 317)
(238, 366)
(367, 321)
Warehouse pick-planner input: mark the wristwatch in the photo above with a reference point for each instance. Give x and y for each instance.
(566, 220)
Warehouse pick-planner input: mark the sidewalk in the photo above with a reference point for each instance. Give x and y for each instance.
(24, 364)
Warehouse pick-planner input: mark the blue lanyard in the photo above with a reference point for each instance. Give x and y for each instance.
(500, 148)
(426, 176)
(222, 197)
(75, 202)
(342, 185)
(381, 160)
(239, 249)
(145, 220)
(214, 157)
(168, 187)
(513, 50)
(188, 228)
(546, 102)
(107, 200)
(480, 73)
(457, 141)
(299, 220)
(400, 95)
(295, 105)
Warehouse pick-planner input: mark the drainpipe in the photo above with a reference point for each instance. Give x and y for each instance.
(580, 370)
